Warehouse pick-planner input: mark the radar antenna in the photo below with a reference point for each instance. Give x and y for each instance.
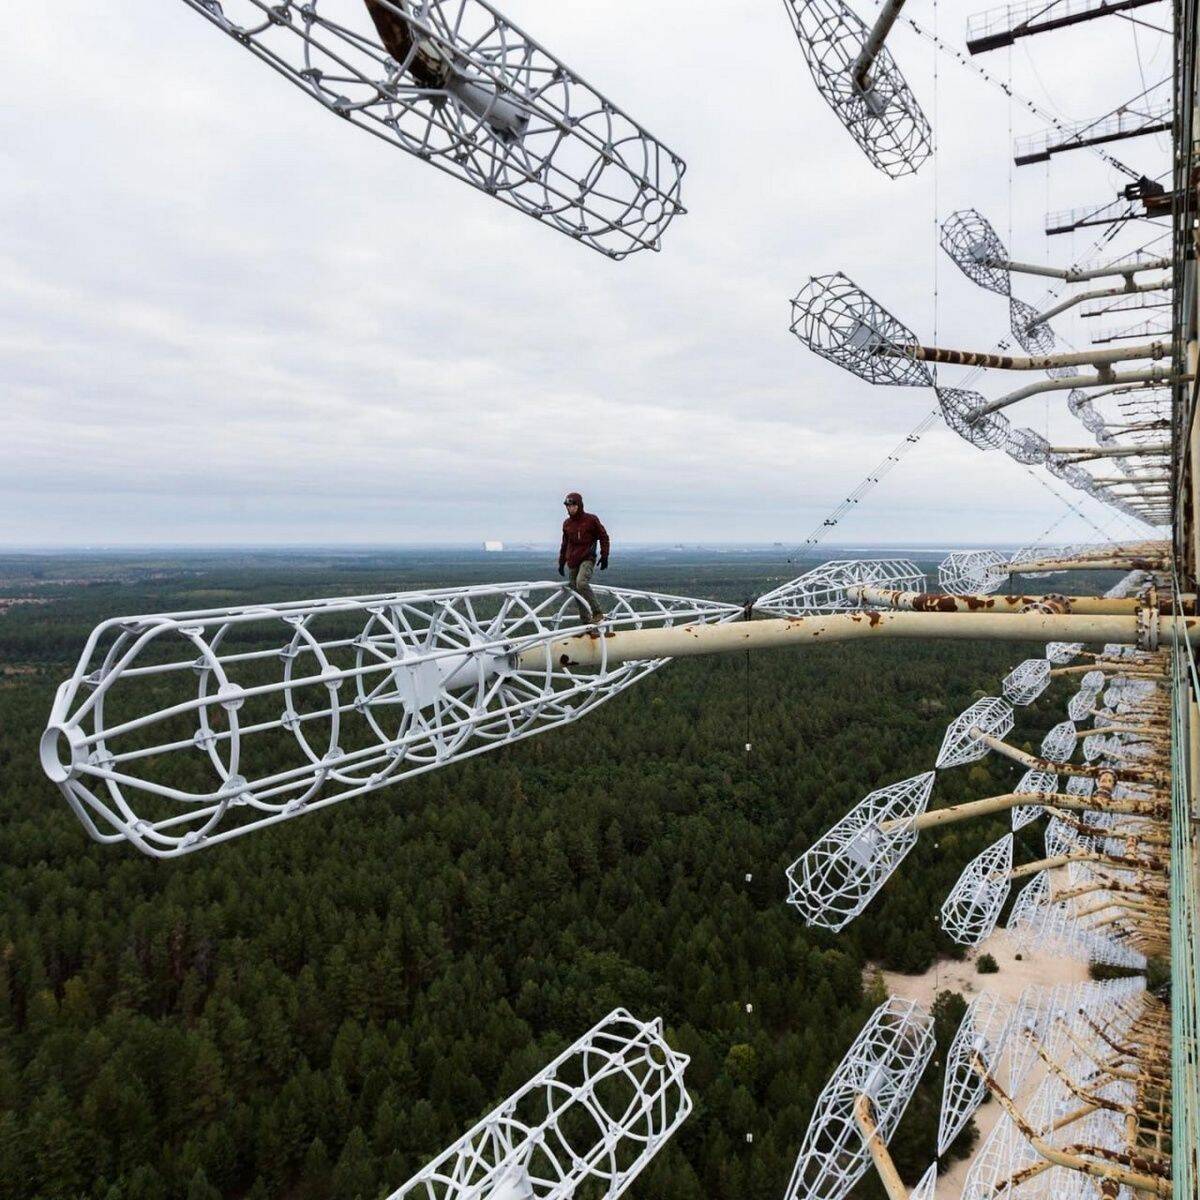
(459, 86)
(271, 711)
(858, 78)
(884, 1064)
(594, 1117)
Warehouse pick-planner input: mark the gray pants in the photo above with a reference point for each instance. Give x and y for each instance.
(580, 583)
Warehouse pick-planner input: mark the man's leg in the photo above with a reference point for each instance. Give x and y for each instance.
(576, 582)
(583, 582)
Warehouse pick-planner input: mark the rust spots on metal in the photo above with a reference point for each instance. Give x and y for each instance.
(932, 602)
(874, 618)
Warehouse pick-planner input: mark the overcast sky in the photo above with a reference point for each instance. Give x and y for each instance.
(226, 316)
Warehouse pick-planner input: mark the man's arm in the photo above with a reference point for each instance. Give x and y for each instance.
(602, 534)
(562, 551)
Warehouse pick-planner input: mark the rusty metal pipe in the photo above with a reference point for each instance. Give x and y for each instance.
(1034, 762)
(611, 648)
(1130, 289)
(1078, 454)
(875, 597)
(1070, 275)
(893, 1185)
(1124, 563)
(1156, 377)
(988, 806)
(860, 69)
(1028, 362)
(1155, 1185)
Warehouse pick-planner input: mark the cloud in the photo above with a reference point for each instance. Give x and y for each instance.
(228, 316)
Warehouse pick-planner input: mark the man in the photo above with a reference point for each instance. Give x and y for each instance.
(580, 533)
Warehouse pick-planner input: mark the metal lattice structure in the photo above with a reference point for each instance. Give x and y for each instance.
(976, 250)
(1081, 704)
(459, 86)
(1026, 681)
(182, 730)
(1061, 653)
(836, 319)
(926, 1186)
(1059, 744)
(878, 111)
(961, 412)
(1081, 786)
(971, 910)
(974, 246)
(885, 1063)
(1034, 336)
(981, 1035)
(1004, 1153)
(838, 876)
(1026, 446)
(827, 588)
(1028, 910)
(961, 745)
(592, 1118)
(972, 572)
(1033, 783)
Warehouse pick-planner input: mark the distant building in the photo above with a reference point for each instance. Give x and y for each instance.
(493, 547)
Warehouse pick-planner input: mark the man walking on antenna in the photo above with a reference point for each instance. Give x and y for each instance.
(580, 533)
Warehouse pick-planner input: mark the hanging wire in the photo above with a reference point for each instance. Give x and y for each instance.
(749, 713)
(1032, 106)
(936, 180)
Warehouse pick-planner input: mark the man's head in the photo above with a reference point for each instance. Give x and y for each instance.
(573, 504)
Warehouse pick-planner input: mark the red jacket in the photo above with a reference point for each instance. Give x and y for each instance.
(579, 537)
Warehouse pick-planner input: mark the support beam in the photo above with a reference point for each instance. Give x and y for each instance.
(860, 71)
(1072, 275)
(995, 28)
(610, 649)
(1017, 362)
(893, 1185)
(1130, 289)
(1115, 127)
(1156, 377)
(989, 806)
(1139, 1181)
(1034, 762)
(1076, 454)
(875, 597)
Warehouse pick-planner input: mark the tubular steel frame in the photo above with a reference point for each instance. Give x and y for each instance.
(459, 86)
(594, 1117)
(352, 693)
(885, 1063)
(879, 111)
